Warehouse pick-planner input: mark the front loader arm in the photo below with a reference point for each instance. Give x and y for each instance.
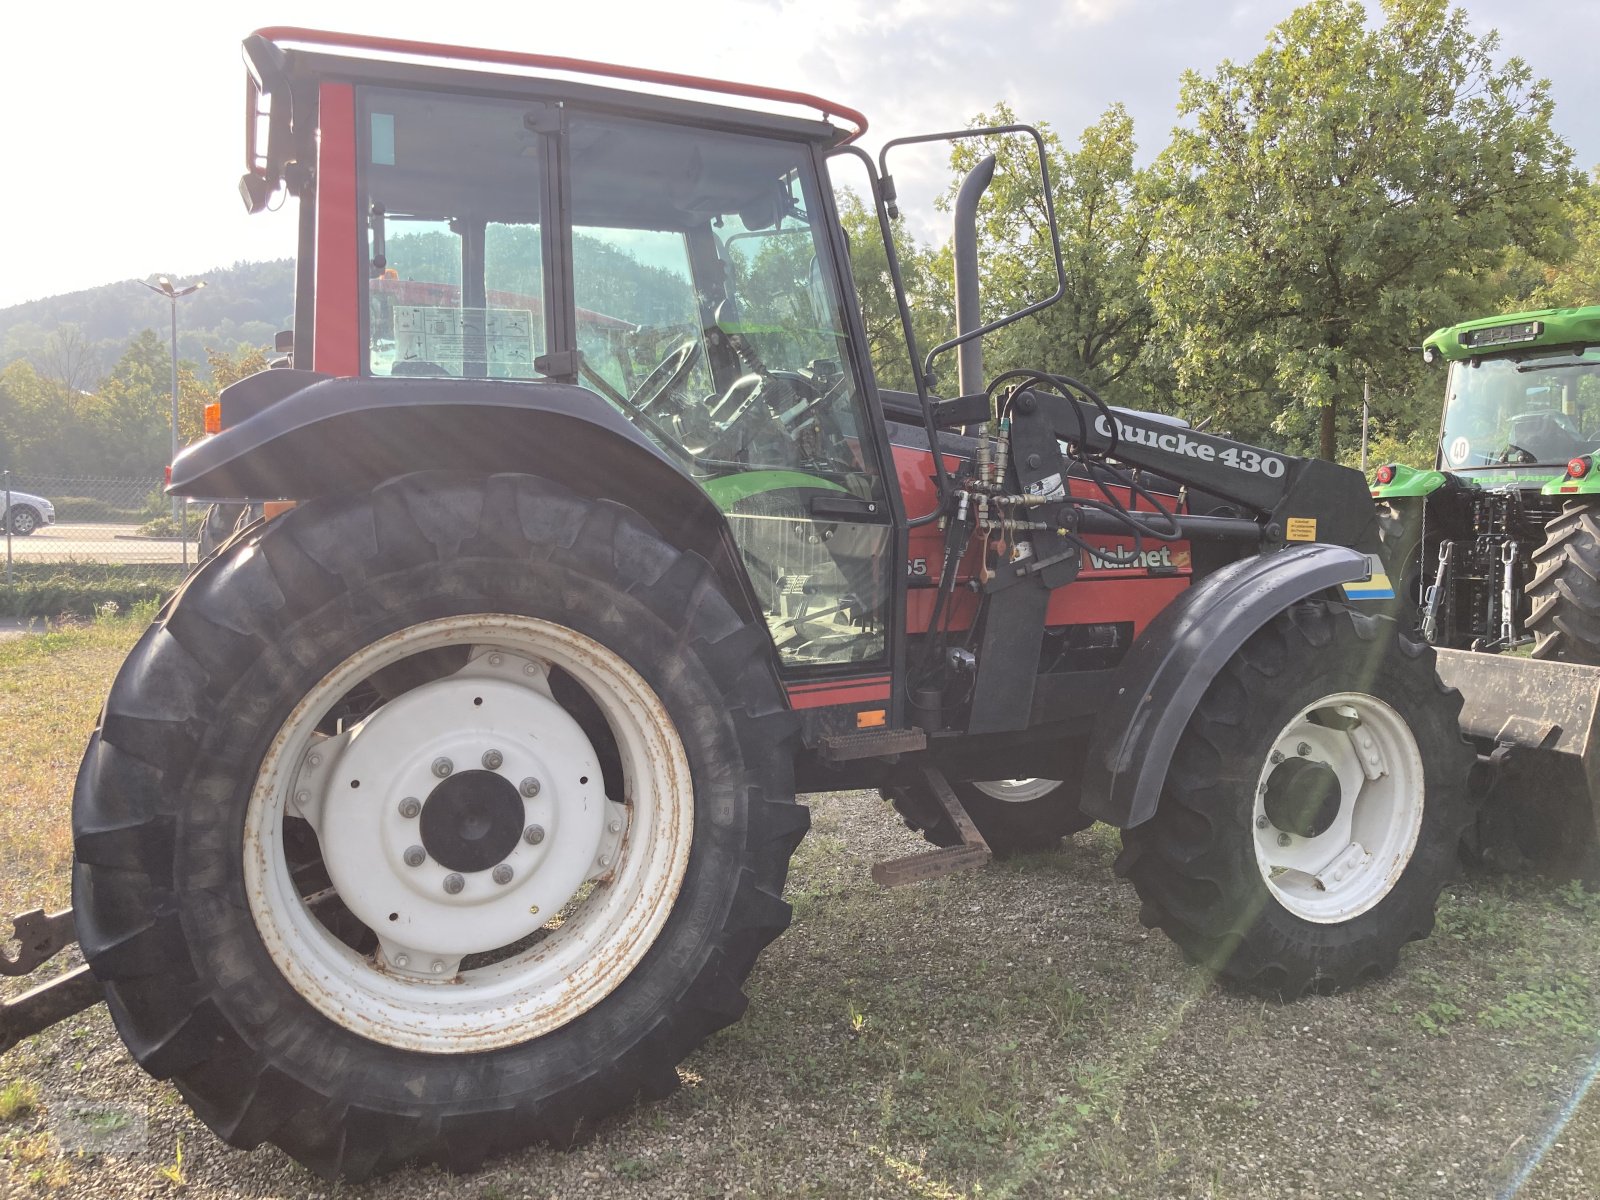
(1294, 499)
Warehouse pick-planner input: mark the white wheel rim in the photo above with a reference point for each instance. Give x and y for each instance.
(1016, 791)
(609, 873)
(1335, 864)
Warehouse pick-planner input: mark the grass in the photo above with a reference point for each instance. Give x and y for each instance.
(51, 689)
(18, 1099)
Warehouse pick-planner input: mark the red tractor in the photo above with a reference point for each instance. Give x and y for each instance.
(449, 810)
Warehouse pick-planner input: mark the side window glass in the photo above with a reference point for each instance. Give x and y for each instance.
(454, 275)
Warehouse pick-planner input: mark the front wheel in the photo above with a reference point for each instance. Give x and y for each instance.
(1313, 807)
(433, 822)
(23, 520)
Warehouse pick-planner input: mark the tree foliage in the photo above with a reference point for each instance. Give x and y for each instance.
(1099, 330)
(1334, 199)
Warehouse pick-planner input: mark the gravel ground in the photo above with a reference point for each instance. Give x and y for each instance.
(1013, 1032)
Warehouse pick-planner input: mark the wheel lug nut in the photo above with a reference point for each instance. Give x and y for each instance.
(494, 660)
(1284, 839)
(453, 883)
(502, 873)
(410, 807)
(443, 766)
(1303, 749)
(402, 960)
(492, 760)
(1276, 758)
(438, 966)
(533, 834)
(415, 856)
(529, 787)
(1262, 822)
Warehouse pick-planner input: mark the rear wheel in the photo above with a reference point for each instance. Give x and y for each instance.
(434, 822)
(1565, 590)
(1015, 816)
(1312, 809)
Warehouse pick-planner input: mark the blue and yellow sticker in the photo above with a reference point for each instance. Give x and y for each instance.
(1375, 587)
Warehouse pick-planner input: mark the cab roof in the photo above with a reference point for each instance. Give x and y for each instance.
(1510, 332)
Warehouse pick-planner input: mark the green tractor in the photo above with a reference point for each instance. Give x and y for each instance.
(1499, 548)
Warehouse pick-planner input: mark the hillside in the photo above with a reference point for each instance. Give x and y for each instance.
(241, 307)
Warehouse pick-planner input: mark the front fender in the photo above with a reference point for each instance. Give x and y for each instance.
(1169, 667)
(300, 435)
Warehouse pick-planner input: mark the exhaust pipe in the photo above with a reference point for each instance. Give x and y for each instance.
(964, 241)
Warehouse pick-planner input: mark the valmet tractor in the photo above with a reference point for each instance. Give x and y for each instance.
(449, 810)
(1498, 549)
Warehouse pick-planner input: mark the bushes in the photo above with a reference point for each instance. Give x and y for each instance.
(55, 590)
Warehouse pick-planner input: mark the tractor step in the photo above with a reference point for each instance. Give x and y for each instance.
(871, 743)
(973, 852)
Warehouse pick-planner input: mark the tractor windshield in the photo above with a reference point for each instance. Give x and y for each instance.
(1536, 407)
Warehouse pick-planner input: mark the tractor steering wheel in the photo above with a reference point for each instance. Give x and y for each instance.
(666, 375)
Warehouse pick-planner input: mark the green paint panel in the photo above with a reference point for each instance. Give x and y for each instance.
(1589, 485)
(1408, 481)
(730, 489)
(1547, 327)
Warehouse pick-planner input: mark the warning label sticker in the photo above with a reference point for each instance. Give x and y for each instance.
(501, 339)
(1300, 529)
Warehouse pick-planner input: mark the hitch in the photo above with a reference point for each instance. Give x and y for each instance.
(40, 936)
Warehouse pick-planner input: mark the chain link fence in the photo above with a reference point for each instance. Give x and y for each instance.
(74, 543)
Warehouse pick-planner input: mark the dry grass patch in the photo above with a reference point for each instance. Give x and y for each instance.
(51, 689)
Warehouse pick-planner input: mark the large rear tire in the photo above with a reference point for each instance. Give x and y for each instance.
(366, 737)
(1565, 590)
(1313, 807)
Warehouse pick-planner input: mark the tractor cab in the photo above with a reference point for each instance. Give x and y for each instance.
(679, 261)
(1522, 397)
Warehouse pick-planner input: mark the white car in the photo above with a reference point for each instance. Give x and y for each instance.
(27, 513)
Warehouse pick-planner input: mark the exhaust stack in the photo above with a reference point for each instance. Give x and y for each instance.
(964, 241)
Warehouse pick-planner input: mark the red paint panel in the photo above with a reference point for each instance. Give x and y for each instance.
(337, 346)
(845, 691)
(1100, 593)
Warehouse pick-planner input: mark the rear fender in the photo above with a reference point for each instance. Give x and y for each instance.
(1166, 671)
(297, 435)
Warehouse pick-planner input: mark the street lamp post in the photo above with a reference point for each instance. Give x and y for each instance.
(164, 288)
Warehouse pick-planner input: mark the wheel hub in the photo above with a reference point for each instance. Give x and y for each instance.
(1303, 797)
(472, 821)
(1338, 808)
(459, 875)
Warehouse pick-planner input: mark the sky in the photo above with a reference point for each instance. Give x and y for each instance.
(122, 130)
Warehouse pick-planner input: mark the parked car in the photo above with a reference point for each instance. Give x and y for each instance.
(26, 513)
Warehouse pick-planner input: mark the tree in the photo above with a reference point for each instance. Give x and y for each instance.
(926, 274)
(1574, 281)
(1337, 197)
(1099, 330)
